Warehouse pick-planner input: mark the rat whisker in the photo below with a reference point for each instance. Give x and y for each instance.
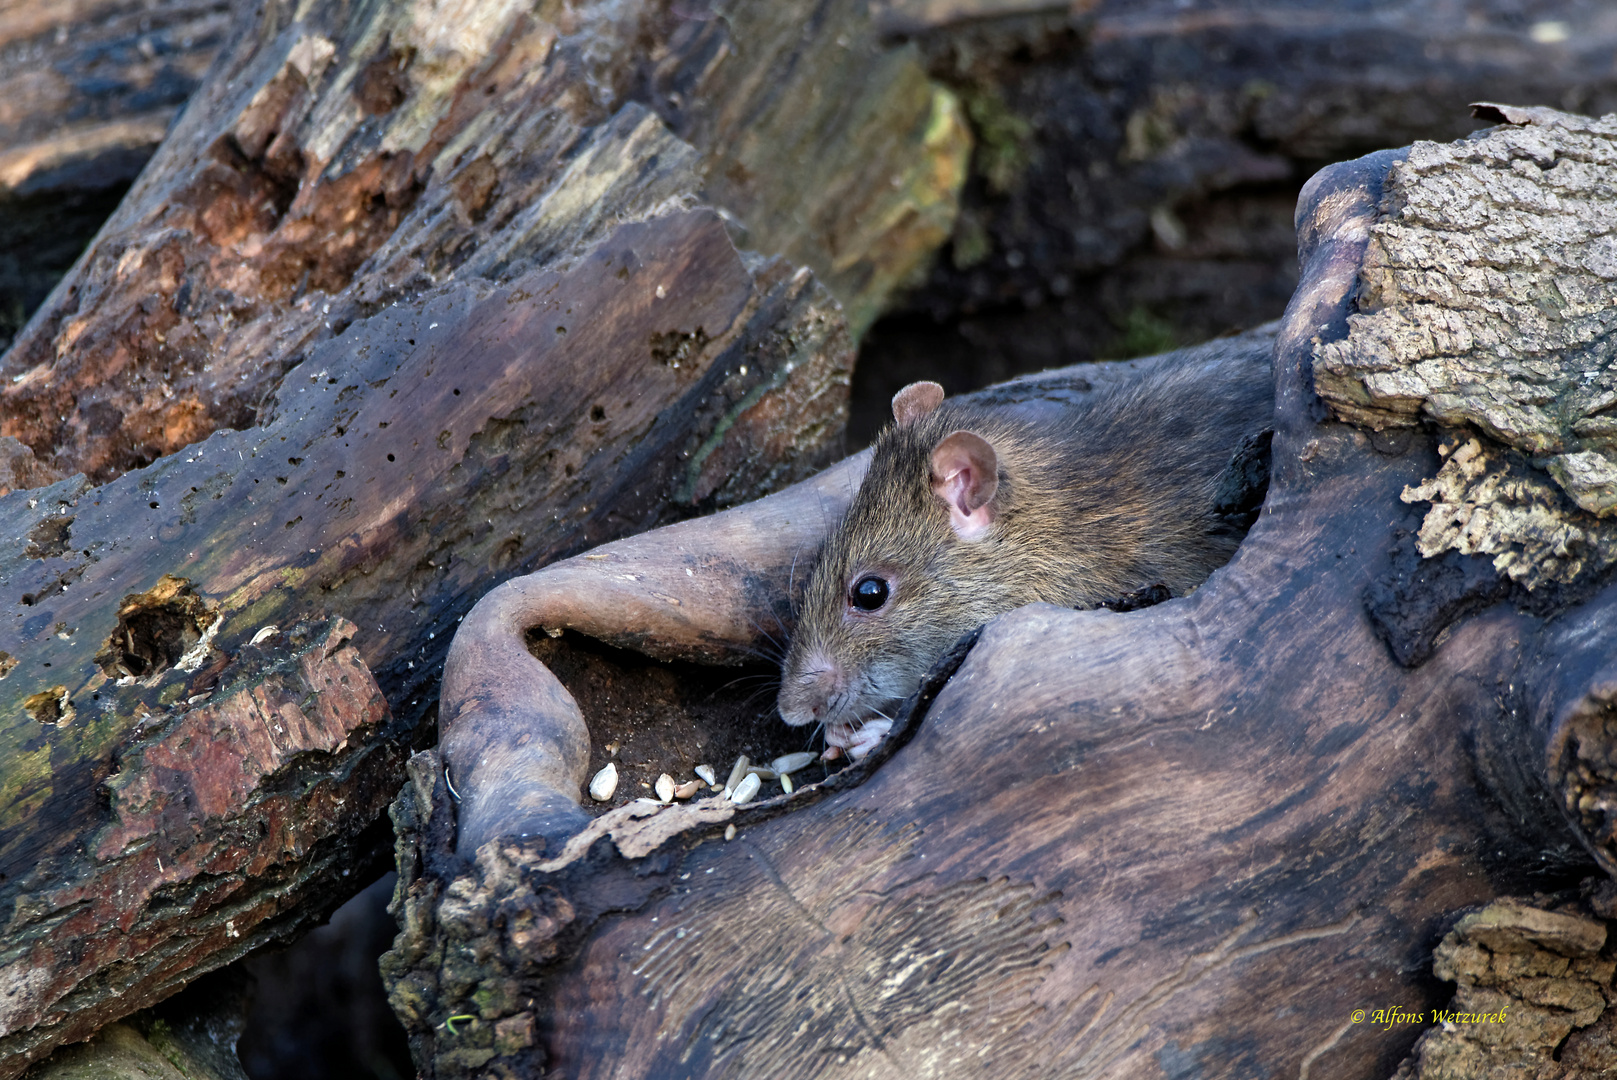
(769, 658)
(769, 680)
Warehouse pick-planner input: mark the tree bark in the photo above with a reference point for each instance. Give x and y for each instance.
(90, 89)
(469, 304)
(1198, 836)
(87, 92)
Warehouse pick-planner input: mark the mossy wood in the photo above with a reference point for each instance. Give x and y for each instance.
(403, 304)
(1190, 839)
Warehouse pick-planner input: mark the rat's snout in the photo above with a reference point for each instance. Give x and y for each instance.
(809, 686)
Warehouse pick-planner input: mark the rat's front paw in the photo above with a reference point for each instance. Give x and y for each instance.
(858, 741)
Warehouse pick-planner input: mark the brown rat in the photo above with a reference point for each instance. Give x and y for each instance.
(969, 511)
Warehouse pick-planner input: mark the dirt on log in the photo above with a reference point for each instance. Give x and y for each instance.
(1193, 837)
(397, 309)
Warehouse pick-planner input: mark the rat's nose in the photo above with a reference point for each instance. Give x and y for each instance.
(807, 689)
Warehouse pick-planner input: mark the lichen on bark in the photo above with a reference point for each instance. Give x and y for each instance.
(1488, 501)
(1531, 999)
(1488, 302)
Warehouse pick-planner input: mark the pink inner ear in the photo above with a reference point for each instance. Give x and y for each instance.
(965, 474)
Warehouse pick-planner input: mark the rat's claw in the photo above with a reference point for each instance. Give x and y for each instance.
(864, 740)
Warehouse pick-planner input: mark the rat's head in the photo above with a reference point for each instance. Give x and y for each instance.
(901, 579)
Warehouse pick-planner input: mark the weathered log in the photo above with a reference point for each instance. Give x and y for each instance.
(320, 150)
(87, 91)
(474, 307)
(1198, 836)
(1138, 161)
(192, 1036)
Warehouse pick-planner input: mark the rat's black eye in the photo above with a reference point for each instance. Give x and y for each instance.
(868, 594)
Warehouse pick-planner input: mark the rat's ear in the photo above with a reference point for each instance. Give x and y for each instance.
(915, 401)
(965, 474)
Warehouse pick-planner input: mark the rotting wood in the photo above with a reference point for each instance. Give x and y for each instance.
(1201, 834)
(473, 305)
(87, 91)
(273, 774)
(326, 170)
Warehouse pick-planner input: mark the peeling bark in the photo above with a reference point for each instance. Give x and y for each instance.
(1489, 302)
(1533, 998)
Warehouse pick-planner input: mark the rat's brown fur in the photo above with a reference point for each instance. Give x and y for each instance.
(1115, 495)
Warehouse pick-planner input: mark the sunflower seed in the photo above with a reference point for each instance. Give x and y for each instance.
(665, 788)
(604, 783)
(790, 763)
(762, 772)
(745, 790)
(687, 789)
(706, 773)
(737, 773)
(786, 782)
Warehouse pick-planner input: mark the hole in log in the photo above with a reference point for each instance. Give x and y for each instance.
(155, 629)
(50, 706)
(507, 553)
(49, 539)
(382, 86)
(648, 716)
(674, 348)
(8, 663)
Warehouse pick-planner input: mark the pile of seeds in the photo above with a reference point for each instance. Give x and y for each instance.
(743, 785)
